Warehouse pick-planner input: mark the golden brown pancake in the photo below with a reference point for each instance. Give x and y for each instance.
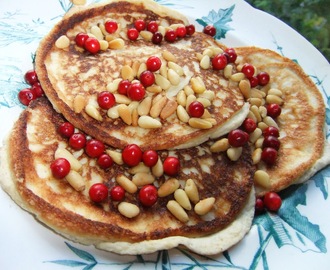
(73, 76)
(301, 122)
(34, 141)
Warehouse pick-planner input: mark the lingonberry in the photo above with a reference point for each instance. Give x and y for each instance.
(94, 148)
(31, 77)
(157, 38)
(140, 25)
(148, 195)
(60, 168)
(249, 125)
(237, 138)
(259, 206)
(136, 91)
(117, 193)
(104, 161)
(153, 63)
(77, 141)
(269, 155)
(98, 192)
(271, 131)
(111, 26)
(80, 39)
(170, 35)
(196, 109)
(106, 100)
(273, 110)
(37, 89)
(231, 55)
(26, 95)
(271, 141)
(132, 155)
(272, 201)
(123, 86)
(147, 78)
(152, 26)
(209, 30)
(171, 166)
(132, 34)
(150, 158)
(66, 129)
(181, 31)
(254, 82)
(219, 61)
(263, 78)
(92, 45)
(248, 70)
(190, 29)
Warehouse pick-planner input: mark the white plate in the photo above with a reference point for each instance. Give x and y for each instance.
(297, 238)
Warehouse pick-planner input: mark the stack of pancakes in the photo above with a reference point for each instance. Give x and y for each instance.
(72, 79)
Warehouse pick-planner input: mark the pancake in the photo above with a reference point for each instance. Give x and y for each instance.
(34, 141)
(72, 78)
(304, 149)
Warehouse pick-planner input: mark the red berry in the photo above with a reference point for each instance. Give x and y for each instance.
(248, 70)
(263, 78)
(26, 95)
(153, 63)
(259, 206)
(196, 109)
(92, 45)
(98, 192)
(152, 26)
(106, 100)
(219, 61)
(136, 91)
(37, 89)
(140, 24)
(254, 82)
(269, 155)
(171, 166)
(150, 158)
(60, 168)
(237, 138)
(148, 195)
(249, 125)
(31, 77)
(77, 141)
(117, 193)
(80, 39)
(147, 78)
(271, 141)
(104, 161)
(123, 86)
(273, 110)
(157, 38)
(209, 30)
(66, 129)
(132, 155)
(231, 55)
(272, 201)
(111, 26)
(271, 131)
(170, 35)
(190, 29)
(181, 31)
(94, 148)
(132, 34)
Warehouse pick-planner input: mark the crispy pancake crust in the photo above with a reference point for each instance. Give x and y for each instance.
(34, 140)
(65, 74)
(301, 122)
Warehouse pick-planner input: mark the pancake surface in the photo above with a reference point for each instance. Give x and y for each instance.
(72, 74)
(56, 203)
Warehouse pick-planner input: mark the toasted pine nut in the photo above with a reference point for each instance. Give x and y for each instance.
(256, 155)
(146, 121)
(189, 100)
(262, 178)
(168, 109)
(113, 86)
(220, 146)
(237, 76)
(259, 142)
(255, 135)
(182, 114)
(135, 117)
(162, 81)
(197, 85)
(205, 63)
(199, 123)
(274, 99)
(182, 198)
(173, 77)
(62, 42)
(128, 210)
(270, 121)
(117, 44)
(177, 211)
(142, 67)
(158, 169)
(142, 178)
(93, 112)
(140, 168)
(127, 73)
(157, 107)
(79, 103)
(135, 67)
(262, 125)
(168, 187)
(144, 106)
(204, 101)
(208, 52)
(96, 31)
(228, 71)
(263, 111)
(113, 112)
(254, 109)
(64, 153)
(122, 99)
(245, 87)
(116, 156)
(275, 91)
(168, 56)
(188, 90)
(255, 101)
(126, 183)
(125, 114)
(208, 94)
(75, 180)
(146, 35)
(181, 98)
(104, 45)
(191, 190)
(234, 153)
(204, 206)
(178, 69)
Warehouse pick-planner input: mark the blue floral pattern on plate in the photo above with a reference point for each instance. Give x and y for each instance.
(270, 232)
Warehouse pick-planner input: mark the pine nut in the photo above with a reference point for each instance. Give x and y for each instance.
(182, 114)
(116, 156)
(146, 121)
(228, 71)
(135, 67)
(197, 85)
(255, 101)
(158, 169)
(262, 178)
(252, 116)
(177, 211)
(220, 146)
(75, 180)
(199, 123)
(188, 90)
(162, 30)
(204, 206)
(181, 98)
(162, 81)
(64, 153)
(262, 126)
(113, 112)
(127, 73)
(142, 178)
(157, 107)
(263, 111)
(128, 210)
(259, 142)
(257, 93)
(237, 77)
(275, 92)
(146, 35)
(135, 117)
(270, 99)
(62, 42)
(189, 100)
(205, 63)
(163, 69)
(234, 153)
(126, 184)
(144, 106)
(245, 87)
(173, 77)
(168, 56)
(168, 109)
(140, 168)
(254, 109)
(208, 52)
(79, 103)
(125, 114)
(116, 44)
(256, 156)
(178, 69)
(113, 86)
(208, 94)
(255, 135)
(122, 99)
(168, 187)
(216, 50)
(182, 198)
(154, 89)
(206, 103)
(96, 31)
(270, 122)
(191, 191)
(93, 112)
(142, 67)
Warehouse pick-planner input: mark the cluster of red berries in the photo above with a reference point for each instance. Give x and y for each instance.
(26, 95)
(132, 155)
(271, 201)
(262, 78)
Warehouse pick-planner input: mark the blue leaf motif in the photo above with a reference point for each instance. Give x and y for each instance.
(70, 263)
(82, 254)
(319, 180)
